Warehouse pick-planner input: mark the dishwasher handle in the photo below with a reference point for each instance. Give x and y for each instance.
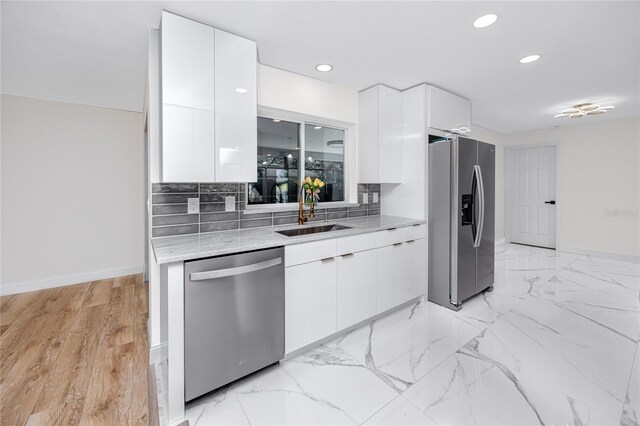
(221, 273)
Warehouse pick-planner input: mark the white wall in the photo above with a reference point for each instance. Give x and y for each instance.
(293, 92)
(598, 170)
(72, 193)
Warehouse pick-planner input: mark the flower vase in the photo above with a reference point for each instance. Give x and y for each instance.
(312, 201)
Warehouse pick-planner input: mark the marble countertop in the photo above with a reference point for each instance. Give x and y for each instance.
(196, 246)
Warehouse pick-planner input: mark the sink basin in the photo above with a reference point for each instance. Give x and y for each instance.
(311, 230)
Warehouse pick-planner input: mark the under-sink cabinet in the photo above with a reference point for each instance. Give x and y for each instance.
(310, 298)
(333, 284)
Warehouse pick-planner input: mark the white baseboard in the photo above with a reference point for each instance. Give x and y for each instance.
(14, 288)
(599, 253)
(500, 242)
(158, 353)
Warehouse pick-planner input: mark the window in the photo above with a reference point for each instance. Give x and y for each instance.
(289, 151)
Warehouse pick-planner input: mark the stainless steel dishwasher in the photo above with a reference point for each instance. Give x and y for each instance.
(234, 318)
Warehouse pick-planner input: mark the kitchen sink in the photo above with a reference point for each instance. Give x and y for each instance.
(312, 230)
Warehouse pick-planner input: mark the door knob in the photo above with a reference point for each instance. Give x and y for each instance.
(550, 202)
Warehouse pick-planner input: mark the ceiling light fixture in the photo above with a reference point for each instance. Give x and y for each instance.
(241, 90)
(529, 59)
(275, 120)
(318, 127)
(580, 110)
(485, 21)
(324, 67)
(461, 130)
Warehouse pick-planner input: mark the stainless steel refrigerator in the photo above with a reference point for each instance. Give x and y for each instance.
(461, 219)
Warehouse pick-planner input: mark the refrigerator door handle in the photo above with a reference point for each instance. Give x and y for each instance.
(481, 200)
(472, 206)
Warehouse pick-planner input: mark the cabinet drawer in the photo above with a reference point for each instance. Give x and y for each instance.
(414, 232)
(297, 254)
(356, 243)
(391, 236)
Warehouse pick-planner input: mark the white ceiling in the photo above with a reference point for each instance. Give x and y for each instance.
(95, 52)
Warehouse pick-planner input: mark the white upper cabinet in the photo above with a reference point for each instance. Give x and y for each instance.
(209, 103)
(447, 111)
(380, 135)
(236, 108)
(414, 134)
(188, 100)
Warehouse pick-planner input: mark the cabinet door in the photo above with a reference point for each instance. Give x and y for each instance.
(417, 268)
(368, 136)
(390, 125)
(393, 280)
(188, 100)
(236, 115)
(310, 303)
(413, 136)
(356, 287)
(448, 111)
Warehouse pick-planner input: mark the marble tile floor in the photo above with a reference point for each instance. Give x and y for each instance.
(555, 343)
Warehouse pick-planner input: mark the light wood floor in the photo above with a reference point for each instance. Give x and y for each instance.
(75, 355)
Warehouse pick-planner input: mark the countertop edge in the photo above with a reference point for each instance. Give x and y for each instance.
(272, 239)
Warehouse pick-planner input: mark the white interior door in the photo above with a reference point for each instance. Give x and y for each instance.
(531, 187)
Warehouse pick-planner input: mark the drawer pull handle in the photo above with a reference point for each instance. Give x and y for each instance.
(326, 259)
(347, 255)
(392, 229)
(397, 244)
(411, 241)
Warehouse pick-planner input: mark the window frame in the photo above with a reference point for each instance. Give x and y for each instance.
(302, 120)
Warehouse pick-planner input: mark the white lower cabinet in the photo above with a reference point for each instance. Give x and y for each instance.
(310, 303)
(331, 285)
(418, 266)
(393, 286)
(356, 287)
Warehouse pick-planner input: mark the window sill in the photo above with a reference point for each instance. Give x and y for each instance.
(265, 208)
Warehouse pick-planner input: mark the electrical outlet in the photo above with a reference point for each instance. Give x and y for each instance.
(365, 198)
(230, 203)
(193, 205)
(375, 197)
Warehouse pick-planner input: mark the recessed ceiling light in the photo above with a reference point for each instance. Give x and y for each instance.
(241, 90)
(529, 59)
(318, 127)
(485, 21)
(275, 120)
(324, 67)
